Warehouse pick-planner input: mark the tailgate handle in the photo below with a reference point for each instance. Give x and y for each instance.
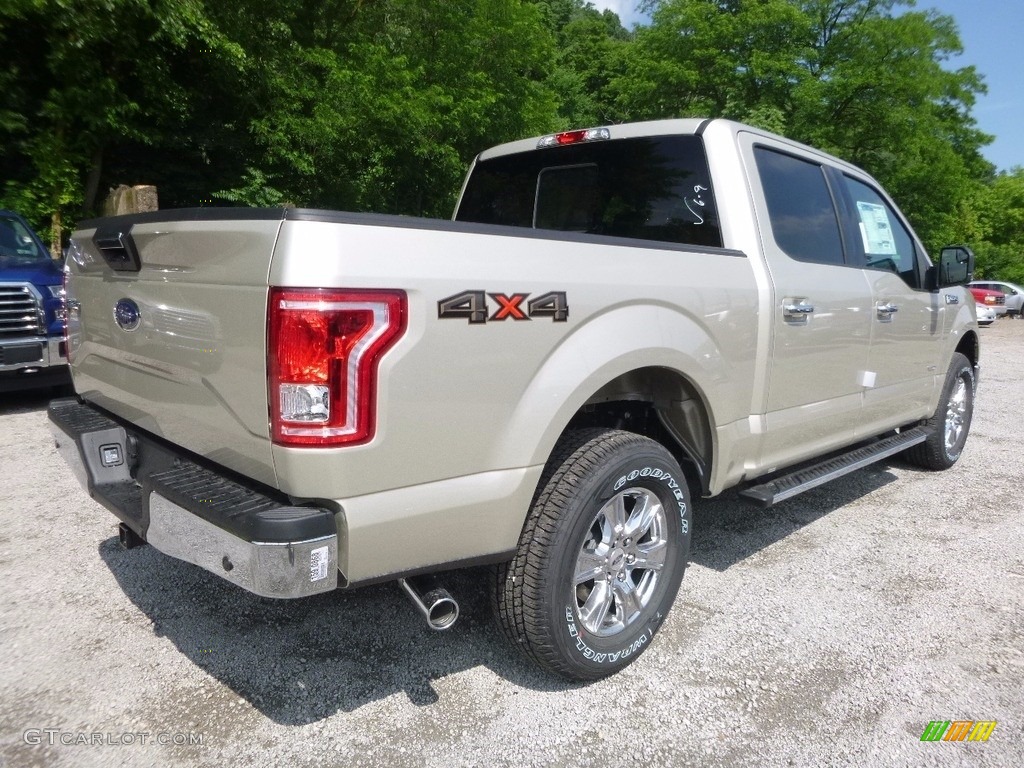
(117, 247)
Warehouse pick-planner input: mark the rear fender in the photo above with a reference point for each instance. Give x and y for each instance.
(608, 347)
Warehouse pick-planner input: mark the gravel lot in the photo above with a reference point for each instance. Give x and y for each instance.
(827, 631)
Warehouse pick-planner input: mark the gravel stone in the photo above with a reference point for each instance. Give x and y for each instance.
(827, 631)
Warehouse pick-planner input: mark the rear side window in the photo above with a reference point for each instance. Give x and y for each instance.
(886, 244)
(800, 207)
(653, 188)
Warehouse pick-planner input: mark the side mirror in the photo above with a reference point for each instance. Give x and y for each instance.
(956, 266)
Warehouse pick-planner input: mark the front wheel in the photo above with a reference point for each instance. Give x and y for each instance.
(601, 555)
(952, 419)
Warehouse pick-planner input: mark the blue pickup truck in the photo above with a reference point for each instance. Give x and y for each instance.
(33, 352)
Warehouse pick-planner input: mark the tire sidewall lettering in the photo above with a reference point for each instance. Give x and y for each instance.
(604, 657)
(654, 473)
(646, 475)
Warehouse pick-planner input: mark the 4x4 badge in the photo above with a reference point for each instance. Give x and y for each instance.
(473, 306)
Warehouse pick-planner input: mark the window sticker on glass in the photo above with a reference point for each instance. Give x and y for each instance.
(875, 229)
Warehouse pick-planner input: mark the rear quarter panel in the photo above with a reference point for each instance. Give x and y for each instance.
(467, 414)
(457, 398)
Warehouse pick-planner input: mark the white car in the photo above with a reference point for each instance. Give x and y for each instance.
(1014, 295)
(986, 315)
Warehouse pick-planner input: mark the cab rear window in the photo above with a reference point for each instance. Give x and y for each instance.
(654, 188)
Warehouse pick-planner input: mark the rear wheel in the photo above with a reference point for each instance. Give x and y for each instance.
(601, 555)
(952, 419)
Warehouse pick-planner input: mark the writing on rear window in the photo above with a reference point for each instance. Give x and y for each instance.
(653, 188)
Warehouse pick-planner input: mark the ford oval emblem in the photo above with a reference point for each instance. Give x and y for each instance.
(127, 314)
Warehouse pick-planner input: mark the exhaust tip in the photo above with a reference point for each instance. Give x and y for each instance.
(443, 613)
(432, 600)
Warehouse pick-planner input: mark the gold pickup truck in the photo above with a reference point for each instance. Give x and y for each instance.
(615, 321)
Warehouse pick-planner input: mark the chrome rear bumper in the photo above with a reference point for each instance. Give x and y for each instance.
(193, 513)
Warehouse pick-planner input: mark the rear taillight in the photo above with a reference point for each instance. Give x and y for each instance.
(324, 350)
(65, 345)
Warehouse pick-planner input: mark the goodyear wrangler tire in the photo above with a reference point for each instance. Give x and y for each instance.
(601, 555)
(952, 419)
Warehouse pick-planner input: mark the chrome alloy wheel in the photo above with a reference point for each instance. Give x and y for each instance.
(956, 413)
(620, 562)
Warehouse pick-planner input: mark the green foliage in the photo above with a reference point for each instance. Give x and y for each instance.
(848, 76)
(715, 58)
(998, 211)
(380, 105)
(254, 192)
(592, 47)
(85, 76)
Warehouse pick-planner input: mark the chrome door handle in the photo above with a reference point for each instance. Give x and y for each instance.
(887, 310)
(797, 309)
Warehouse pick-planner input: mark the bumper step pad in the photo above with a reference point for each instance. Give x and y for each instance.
(240, 510)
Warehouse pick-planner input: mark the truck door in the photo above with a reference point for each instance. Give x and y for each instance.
(821, 306)
(907, 321)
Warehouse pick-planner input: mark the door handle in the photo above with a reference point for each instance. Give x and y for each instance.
(886, 310)
(797, 309)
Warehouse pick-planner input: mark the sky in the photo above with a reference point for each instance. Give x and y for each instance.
(991, 33)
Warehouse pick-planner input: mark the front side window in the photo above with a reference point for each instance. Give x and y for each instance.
(652, 188)
(800, 207)
(885, 243)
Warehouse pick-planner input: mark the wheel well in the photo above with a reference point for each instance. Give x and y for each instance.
(662, 405)
(968, 347)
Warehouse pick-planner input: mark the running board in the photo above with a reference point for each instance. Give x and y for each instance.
(786, 486)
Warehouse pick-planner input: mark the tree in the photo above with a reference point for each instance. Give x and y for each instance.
(848, 76)
(380, 105)
(383, 112)
(591, 49)
(333, 103)
(998, 214)
(715, 58)
(84, 76)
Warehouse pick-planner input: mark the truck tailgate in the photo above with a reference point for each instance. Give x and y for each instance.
(178, 345)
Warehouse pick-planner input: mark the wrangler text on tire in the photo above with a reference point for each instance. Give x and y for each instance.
(601, 555)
